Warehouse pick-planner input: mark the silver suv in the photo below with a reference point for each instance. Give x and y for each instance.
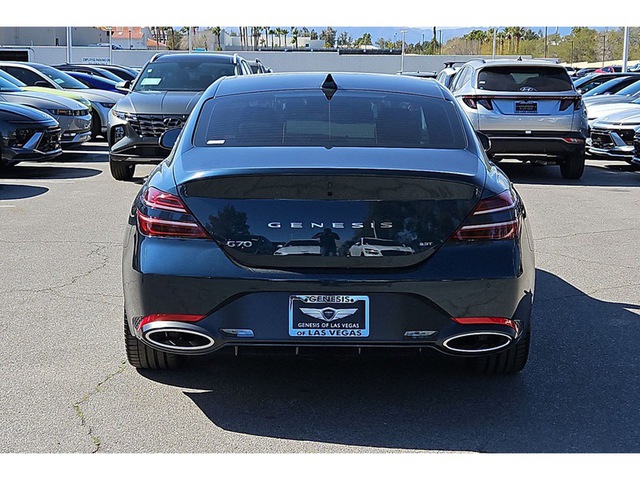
(529, 109)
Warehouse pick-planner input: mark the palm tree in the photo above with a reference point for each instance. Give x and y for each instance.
(272, 32)
(294, 34)
(217, 31)
(255, 34)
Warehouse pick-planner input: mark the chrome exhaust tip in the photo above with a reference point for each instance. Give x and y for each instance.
(477, 342)
(179, 340)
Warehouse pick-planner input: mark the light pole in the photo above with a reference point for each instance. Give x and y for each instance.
(69, 44)
(402, 52)
(604, 43)
(572, 53)
(495, 36)
(625, 49)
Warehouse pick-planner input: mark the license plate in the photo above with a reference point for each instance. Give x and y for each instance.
(526, 107)
(329, 316)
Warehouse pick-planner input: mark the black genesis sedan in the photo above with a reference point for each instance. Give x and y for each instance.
(27, 133)
(333, 158)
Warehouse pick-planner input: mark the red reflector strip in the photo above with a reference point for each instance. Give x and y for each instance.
(156, 227)
(573, 140)
(486, 321)
(169, 317)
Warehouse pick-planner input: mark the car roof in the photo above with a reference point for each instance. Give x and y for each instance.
(315, 80)
(165, 57)
(33, 65)
(479, 63)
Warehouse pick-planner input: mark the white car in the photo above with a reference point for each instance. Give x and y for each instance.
(596, 111)
(378, 247)
(299, 247)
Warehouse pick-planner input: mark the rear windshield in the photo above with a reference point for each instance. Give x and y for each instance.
(186, 74)
(349, 119)
(524, 79)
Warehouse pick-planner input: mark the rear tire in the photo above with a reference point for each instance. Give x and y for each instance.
(96, 126)
(121, 170)
(140, 355)
(572, 167)
(511, 360)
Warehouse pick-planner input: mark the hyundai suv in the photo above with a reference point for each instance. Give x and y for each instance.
(529, 109)
(161, 97)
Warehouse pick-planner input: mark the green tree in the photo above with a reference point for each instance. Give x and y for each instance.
(329, 37)
(217, 31)
(294, 36)
(364, 40)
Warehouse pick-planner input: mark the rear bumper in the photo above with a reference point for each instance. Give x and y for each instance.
(401, 302)
(535, 143)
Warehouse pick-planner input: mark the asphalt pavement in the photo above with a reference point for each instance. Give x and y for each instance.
(66, 386)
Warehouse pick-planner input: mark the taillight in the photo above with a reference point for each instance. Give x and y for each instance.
(165, 215)
(493, 218)
(154, 198)
(567, 102)
(473, 102)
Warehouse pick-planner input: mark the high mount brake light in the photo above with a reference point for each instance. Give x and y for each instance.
(497, 217)
(173, 220)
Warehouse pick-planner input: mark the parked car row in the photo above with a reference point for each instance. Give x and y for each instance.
(80, 97)
(75, 101)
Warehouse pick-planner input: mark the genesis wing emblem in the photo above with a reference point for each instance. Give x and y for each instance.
(329, 314)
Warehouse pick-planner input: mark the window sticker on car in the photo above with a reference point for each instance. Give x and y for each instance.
(215, 142)
(150, 81)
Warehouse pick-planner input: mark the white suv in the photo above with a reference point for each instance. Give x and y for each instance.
(528, 108)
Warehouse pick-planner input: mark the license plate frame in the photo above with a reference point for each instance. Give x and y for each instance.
(329, 317)
(527, 106)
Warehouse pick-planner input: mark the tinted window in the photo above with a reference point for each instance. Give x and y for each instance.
(61, 78)
(11, 79)
(522, 79)
(24, 75)
(186, 74)
(350, 119)
(610, 86)
(460, 78)
(6, 86)
(631, 89)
